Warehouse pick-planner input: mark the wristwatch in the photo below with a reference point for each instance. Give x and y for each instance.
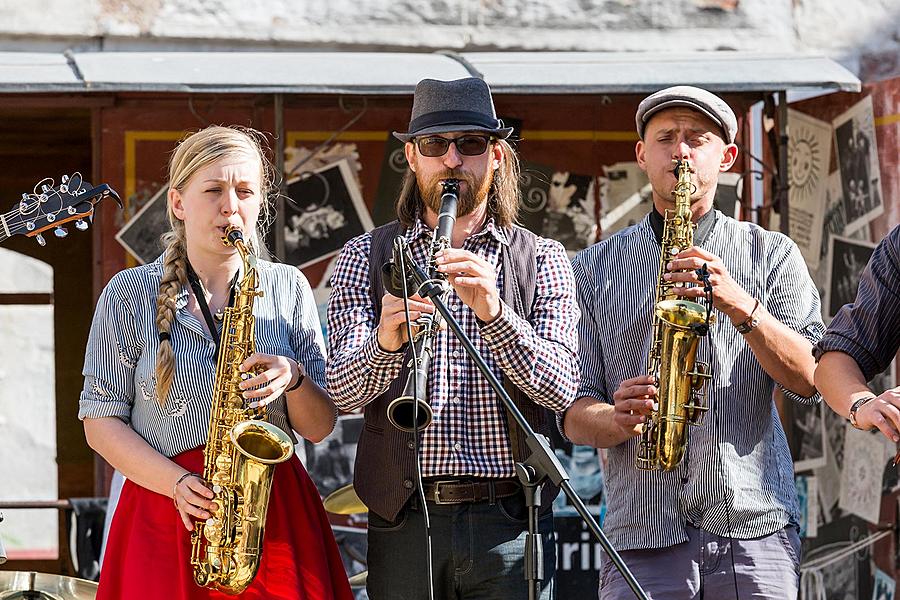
(856, 406)
(752, 321)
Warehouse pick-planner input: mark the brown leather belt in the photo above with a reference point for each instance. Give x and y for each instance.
(459, 491)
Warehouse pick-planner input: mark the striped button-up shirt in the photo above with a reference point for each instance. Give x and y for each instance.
(737, 477)
(120, 362)
(468, 434)
(869, 329)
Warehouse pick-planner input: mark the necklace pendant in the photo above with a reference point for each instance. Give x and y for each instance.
(219, 315)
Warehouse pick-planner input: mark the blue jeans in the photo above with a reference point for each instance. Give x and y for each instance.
(477, 552)
(701, 568)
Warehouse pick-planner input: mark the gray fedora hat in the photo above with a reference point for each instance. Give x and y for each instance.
(695, 98)
(459, 105)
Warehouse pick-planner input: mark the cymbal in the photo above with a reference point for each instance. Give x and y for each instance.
(359, 579)
(344, 501)
(29, 585)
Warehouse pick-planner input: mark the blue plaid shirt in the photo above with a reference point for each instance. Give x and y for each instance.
(468, 435)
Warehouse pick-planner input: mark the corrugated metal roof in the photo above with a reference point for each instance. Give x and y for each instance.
(397, 73)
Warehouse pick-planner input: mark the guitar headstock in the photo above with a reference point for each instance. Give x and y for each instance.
(50, 206)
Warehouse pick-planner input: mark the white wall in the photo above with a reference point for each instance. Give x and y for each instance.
(28, 468)
(862, 34)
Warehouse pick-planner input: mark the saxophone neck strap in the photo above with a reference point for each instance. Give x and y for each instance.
(200, 295)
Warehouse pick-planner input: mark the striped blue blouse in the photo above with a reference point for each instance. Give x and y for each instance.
(737, 478)
(120, 361)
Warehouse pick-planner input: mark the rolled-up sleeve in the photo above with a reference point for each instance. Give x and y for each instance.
(306, 335)
(793, 299)
(110, 359)
(867, 330)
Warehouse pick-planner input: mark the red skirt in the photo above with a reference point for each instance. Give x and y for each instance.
(148, 554)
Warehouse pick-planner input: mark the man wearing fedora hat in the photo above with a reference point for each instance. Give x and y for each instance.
(723, 523)
(513, 295)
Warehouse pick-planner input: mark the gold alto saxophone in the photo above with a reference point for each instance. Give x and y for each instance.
(240, 454)
(678, 325)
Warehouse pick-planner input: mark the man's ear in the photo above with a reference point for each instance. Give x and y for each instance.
(639, 154)
(496, 156)
(175, 201)
(409, 150)
(729, 156)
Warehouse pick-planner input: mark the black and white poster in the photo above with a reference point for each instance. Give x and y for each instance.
(558, 205)
(857, 153)
(846, 259)
(324, 212)
(809, 436)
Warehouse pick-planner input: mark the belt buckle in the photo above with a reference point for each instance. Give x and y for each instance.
(436, 497)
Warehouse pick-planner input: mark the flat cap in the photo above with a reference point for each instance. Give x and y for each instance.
(691, 97)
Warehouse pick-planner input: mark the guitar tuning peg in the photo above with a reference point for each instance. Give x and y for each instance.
(65, 179)
(64, 189)
(81, 225)
(45, 188)
(60, 231)
(40, 240)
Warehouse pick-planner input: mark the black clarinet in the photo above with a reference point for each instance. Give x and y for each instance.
(411, 411)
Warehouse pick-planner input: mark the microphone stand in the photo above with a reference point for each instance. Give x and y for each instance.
(541, 464)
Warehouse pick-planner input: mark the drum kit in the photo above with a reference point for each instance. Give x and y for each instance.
(345, 501)
(29, 585)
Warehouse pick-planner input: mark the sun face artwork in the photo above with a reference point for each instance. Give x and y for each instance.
(809, 157)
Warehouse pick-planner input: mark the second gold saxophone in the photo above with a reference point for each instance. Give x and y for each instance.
(240, 454)
(678, 325)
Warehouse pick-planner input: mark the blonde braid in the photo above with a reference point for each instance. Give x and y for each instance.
(173, 278)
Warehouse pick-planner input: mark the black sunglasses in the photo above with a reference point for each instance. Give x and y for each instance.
(467, 145)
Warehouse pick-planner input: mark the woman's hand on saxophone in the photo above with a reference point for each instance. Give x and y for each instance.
(634, 402)
(270, 374)
(192, 499)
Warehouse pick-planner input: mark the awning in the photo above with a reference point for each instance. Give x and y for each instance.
(397, 73)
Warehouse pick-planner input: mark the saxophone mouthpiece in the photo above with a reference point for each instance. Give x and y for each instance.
(232, 235)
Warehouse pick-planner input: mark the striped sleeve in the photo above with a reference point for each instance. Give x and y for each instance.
(793, 299)
(593, 373)
(110, 359)
(867, 329)
(306, 334)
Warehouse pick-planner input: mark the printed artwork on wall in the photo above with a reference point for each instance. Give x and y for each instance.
(809, 157)
(325, 211)
(857, 152)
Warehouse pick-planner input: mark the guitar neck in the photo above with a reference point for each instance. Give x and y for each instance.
(5, 233)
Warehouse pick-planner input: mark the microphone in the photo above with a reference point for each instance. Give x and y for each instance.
(391, 275)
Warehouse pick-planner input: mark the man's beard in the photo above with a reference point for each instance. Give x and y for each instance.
(471, 197)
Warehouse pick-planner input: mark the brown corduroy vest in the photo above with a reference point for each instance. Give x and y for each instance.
(385, 471)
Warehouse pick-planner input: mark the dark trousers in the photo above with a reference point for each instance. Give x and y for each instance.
(477, 548)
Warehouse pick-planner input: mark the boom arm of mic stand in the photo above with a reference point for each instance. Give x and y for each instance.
(542, 459)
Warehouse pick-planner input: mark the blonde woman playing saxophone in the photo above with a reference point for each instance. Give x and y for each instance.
(149, 371)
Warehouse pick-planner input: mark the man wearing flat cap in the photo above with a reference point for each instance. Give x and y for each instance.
(723, 523)
(513, 294)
